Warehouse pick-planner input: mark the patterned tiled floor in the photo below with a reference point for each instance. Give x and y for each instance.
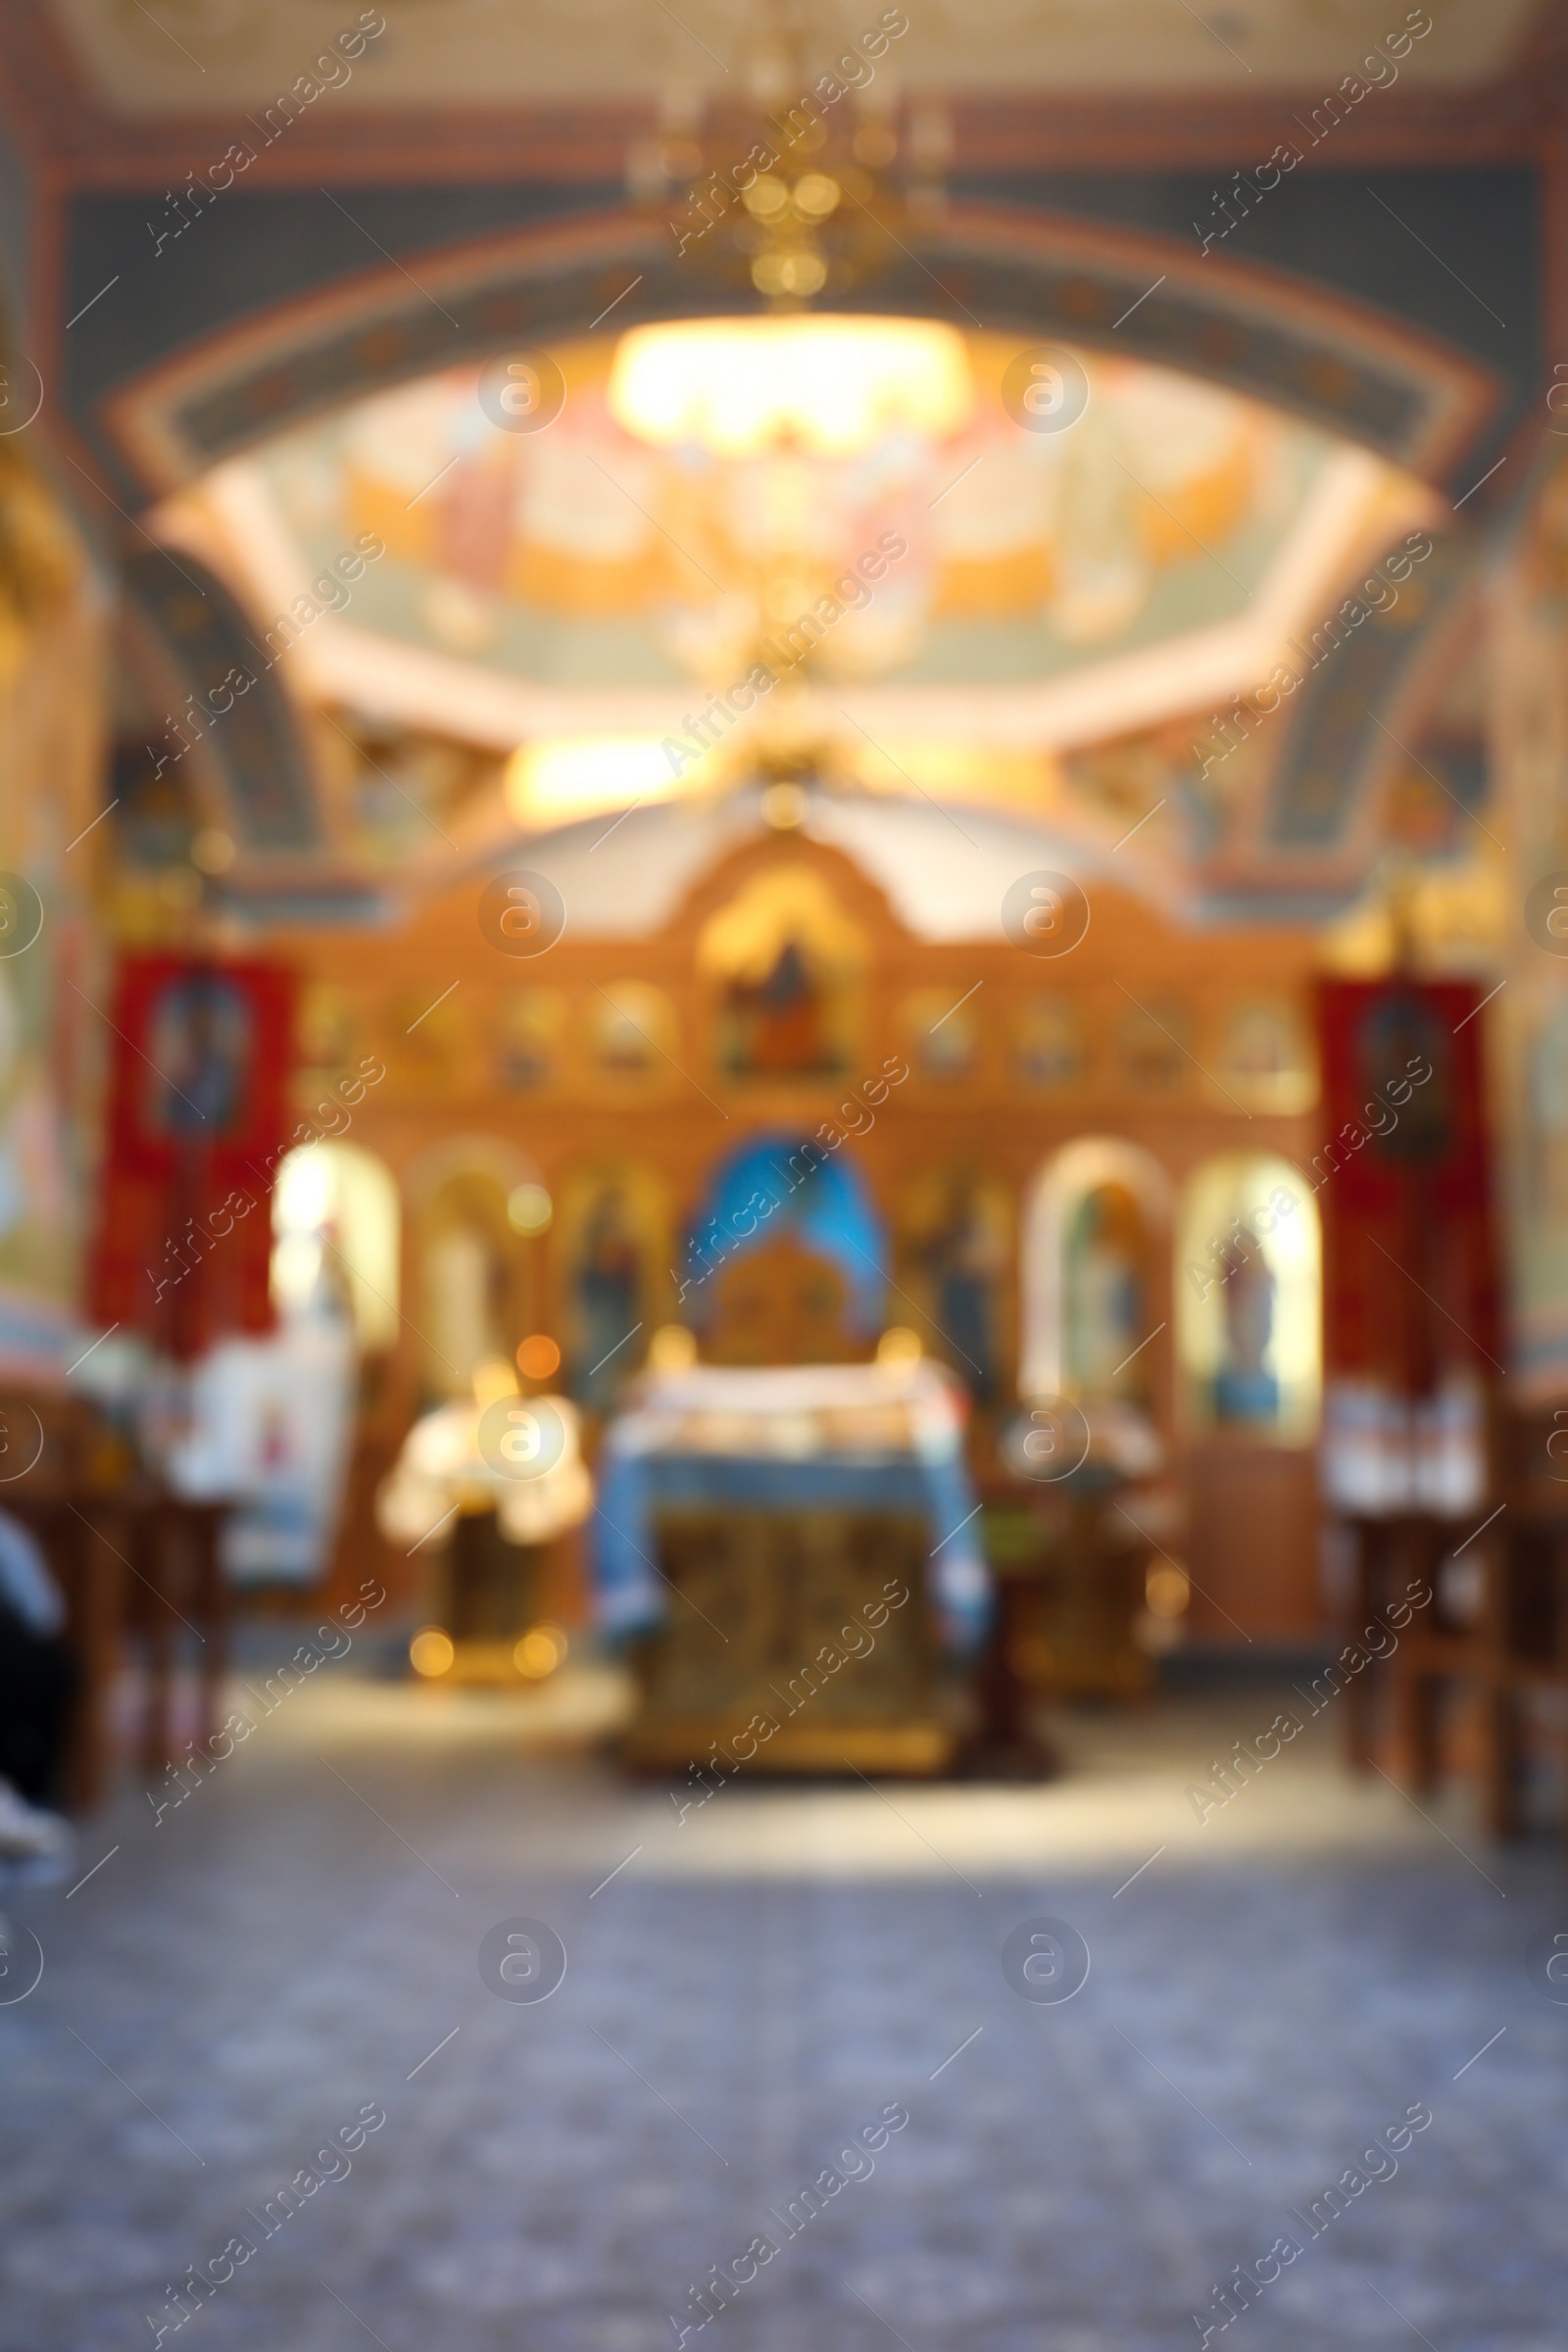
(750, 1989)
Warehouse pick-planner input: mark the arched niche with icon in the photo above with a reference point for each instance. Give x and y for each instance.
(953, 1242)
(1249, 1300)
(613, 1253)
(475, 1205)
(338, 1239)
(1096, 1279)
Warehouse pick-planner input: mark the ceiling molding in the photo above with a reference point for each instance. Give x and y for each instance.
(80, 144)
(584, 146)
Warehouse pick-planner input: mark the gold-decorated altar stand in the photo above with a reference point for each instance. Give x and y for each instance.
(790, 1556)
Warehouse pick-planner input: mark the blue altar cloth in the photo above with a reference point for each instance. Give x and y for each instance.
(631, 1597)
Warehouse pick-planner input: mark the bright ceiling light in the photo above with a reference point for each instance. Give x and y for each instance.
(830, 385)
(557, 780)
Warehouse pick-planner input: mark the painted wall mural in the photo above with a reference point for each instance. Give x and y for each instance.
(1527, 648)
(1418, 401)
(50, 736)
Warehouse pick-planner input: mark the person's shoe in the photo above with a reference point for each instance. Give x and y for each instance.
(35, 1845)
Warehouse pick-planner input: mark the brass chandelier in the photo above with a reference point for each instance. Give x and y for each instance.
(811, 187)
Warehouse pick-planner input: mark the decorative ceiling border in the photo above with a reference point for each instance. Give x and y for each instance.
(63, 123)
(1320, 797)
(1328, 357)
(1366, 675)
(235, 709)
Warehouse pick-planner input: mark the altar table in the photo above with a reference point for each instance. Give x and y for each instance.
(791, 1555)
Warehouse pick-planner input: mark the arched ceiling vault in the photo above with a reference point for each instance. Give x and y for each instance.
(1420, 401)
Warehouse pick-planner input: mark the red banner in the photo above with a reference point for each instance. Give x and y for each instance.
(197, 1121)
(1404, 1183)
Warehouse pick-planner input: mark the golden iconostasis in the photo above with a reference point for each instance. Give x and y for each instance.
(1030, 1160)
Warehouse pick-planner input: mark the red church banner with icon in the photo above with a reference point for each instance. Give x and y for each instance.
(1403, 1182)
(197, 1122)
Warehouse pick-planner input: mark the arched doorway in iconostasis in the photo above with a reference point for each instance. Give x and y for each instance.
(786, 1261)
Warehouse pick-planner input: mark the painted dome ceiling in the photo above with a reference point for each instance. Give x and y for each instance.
(1056, 588)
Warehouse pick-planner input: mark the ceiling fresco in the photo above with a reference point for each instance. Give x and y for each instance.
(188, 55)
(1048, 588)
(1066, 625)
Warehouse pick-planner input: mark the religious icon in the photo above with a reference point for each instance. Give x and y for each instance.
(1048, 1042)
(782, 1304)
(528, 1023)
(776, 1022)
(424, 1039)
(327, 1029)
(1248, 1303)
(1153, 1048)
(1106, 1290)
(612, 1259)
(1244, 1388)
(465, 1284)
(1266, 1059)
(472, 1269)
(954, 1250)
(1400, 1034)
(943, 1032)
(785, 956)
(632, 1029)
(201, 1044)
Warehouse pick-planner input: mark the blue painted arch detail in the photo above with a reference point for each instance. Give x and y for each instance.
(777, 1183)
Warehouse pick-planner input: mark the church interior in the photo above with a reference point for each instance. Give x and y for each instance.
(783, 1174)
